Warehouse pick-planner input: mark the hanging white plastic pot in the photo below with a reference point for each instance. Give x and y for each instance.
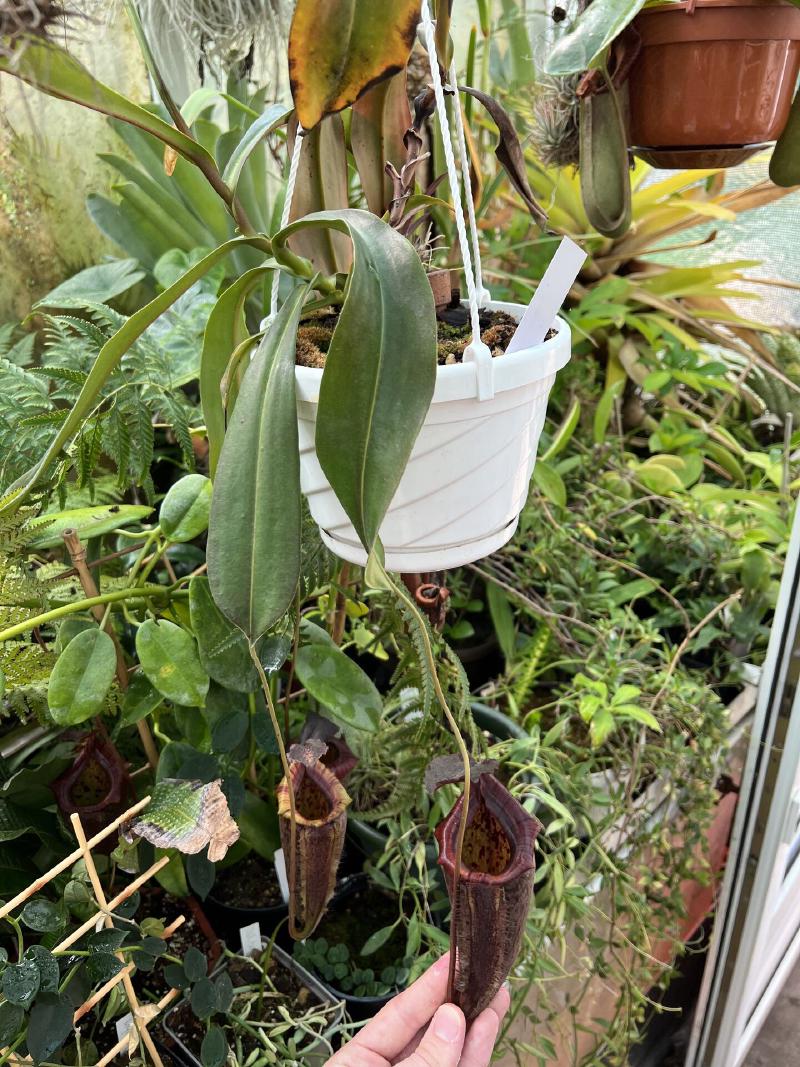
(466, 483)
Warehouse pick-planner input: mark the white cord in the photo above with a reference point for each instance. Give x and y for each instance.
(483, 293)
(476, 351)
(452, 173)
(285, 213)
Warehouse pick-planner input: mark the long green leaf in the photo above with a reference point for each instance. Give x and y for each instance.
(275, 116)
(169, 202)
(175, 233)
(322, 185)
(199, 101)
(604, 410)
(47, 530)
(596, 28)
(123, 224)
(225, 329)
(54, 71)
(107, 359)
(254, 535)
(380, 370)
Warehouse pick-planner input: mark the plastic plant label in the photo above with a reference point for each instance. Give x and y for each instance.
(123, 1026)
(551, 293)
(250, 937)
(280, 870)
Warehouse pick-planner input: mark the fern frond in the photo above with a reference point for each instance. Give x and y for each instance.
(45, 418)
(415, 632)
(66, 374)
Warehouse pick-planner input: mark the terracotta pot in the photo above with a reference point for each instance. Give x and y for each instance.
(714, 81)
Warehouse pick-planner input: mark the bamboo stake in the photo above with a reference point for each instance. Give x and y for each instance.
(122, 1044)
(104, 990)
(77, 553)
(129, 890)
(127, 984)
(73, 857)
(141, 1015)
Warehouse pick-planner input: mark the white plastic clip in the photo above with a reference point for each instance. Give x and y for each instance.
(477, 352)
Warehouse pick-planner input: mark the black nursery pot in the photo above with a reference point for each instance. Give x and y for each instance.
(495, 723)
(358, 1008)
(372, 841)
(228, 918)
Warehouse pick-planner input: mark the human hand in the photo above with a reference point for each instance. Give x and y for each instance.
(400, 1034)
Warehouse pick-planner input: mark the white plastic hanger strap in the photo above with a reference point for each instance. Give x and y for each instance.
(476, 352)
(285, 213)
(483, 293)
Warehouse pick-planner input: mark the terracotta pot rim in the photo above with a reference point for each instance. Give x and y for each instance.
(731, 21)
(520, 826)
(704, 157)
(685, 7)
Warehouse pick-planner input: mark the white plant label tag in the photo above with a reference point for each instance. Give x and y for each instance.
(280, 870)
(551, 293)
(123, 1026)
(250, 937)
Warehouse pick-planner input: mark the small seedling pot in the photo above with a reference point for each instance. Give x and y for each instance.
(714, 81)
(229, 920)
(467, 480)
(314, 1057)
(358, 1008)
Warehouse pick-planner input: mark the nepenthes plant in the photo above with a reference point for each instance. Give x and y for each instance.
(368, 269)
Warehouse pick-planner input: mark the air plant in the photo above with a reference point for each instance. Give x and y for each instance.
(555, 135)
(220, 29)
(495, 884)
(21, 18)
(313, 842)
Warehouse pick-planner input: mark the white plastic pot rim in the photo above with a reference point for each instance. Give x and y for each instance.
(459, 381)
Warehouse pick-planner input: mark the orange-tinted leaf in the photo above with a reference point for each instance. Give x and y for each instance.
(339, 48)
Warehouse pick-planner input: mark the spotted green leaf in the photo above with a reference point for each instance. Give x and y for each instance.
(81, 678)
(171, 662)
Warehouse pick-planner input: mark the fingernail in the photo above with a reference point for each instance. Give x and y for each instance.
(448, 1024)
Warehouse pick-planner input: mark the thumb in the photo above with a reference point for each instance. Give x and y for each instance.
(442, 1042)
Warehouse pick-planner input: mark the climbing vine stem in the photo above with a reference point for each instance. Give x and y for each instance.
(293, 931)
(408, 601)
